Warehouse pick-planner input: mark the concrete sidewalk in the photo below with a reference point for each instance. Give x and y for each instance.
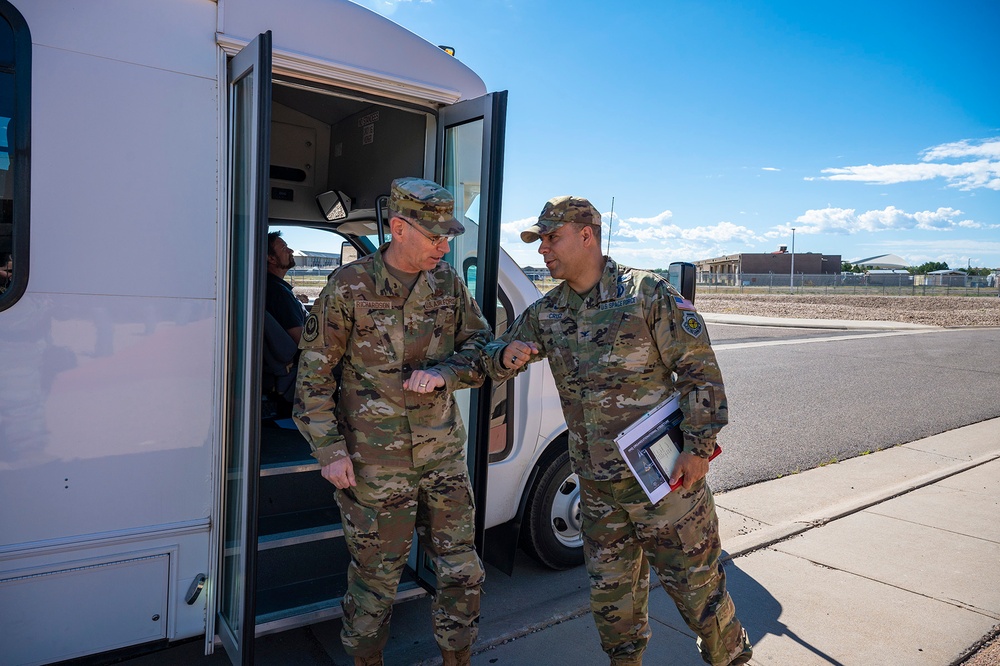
(888, 558)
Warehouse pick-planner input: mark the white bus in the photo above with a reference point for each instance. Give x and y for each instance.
(146, 149)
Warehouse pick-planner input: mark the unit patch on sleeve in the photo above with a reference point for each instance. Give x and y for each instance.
(311, 328)
(692, 324)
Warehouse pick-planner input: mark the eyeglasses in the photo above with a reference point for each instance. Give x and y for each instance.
(435, 239)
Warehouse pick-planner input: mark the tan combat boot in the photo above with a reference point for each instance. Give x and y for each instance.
(457, 657)
(374, 659)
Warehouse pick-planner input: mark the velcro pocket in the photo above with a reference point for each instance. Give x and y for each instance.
(698, 531)
(360, 529)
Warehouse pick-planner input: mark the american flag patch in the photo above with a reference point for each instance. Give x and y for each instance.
(683, 303)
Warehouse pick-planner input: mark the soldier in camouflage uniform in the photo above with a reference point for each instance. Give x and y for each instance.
(407, 334)
(614, 336)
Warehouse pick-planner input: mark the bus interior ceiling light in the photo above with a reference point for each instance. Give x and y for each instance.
(334, 205)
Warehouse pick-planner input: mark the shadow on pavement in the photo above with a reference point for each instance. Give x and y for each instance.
(760, 612)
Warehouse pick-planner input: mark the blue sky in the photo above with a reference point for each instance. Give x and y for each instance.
(718, 126)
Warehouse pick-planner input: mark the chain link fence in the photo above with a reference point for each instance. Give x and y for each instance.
(895, 283)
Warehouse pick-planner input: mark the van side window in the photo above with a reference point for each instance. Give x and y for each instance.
(15, 79)
(501, 423)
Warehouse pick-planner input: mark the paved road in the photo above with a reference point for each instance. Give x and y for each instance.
(801, 398)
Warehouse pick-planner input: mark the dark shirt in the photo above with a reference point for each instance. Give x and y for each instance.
(282, 304)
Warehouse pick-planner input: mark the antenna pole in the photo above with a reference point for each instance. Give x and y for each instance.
(611, 221)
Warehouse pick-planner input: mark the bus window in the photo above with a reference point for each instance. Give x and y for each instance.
(316, 253)
(15, 77)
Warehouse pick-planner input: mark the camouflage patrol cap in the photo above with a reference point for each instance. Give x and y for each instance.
(426, 203)
(559, 211)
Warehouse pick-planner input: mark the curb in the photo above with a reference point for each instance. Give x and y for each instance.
(559, 618)
(776, 533)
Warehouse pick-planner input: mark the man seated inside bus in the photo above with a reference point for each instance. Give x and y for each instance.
(6, 271)
(283, 321)
(281, 302)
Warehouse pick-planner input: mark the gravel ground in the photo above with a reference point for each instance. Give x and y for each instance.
(933, 310)
(986, 655)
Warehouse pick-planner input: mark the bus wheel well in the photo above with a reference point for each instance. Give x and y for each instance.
(551, 514)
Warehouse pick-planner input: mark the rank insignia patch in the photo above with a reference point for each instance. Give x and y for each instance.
(692, 324)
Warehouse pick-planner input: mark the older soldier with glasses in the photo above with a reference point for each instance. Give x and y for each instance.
(389, 436)
(619, 342)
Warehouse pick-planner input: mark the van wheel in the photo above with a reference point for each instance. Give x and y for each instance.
(554, 537)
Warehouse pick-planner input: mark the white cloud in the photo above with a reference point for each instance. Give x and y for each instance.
(510, 232)
(957, 252)
(849, 221)
(722, 232)
(967, 245)
(660, 257)
(987, 148)
(652, 229)
(769, 169)
(824, 220)
(983, 172)
(965, 176)
(656, 219)
(645, 242)
(649, 230)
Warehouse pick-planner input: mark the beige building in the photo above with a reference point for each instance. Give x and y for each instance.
(779, 262)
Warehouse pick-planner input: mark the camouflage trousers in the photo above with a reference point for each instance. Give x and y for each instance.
(379, 516)
(679, 537)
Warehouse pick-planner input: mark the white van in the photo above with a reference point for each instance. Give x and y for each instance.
(146, 148)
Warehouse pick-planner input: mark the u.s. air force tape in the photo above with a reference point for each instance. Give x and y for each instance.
(311, 329)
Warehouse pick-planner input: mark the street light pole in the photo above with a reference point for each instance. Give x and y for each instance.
(791, 281)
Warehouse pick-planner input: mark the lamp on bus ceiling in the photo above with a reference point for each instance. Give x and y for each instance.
(334, 205)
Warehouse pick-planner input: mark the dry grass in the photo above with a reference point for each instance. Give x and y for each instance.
(948, 311)
(932, 310)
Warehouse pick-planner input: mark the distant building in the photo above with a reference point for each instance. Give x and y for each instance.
(943, 278)
(779, 262)
(309, 262)
(888, 276)
(882, 261)
(537, 274)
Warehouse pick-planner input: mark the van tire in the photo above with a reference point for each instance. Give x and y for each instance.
(554, 537)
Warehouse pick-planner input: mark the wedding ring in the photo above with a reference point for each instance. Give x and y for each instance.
(423, 384)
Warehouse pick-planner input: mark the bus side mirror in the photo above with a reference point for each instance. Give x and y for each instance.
(682, 276)
(348, 253)
(334, 205)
